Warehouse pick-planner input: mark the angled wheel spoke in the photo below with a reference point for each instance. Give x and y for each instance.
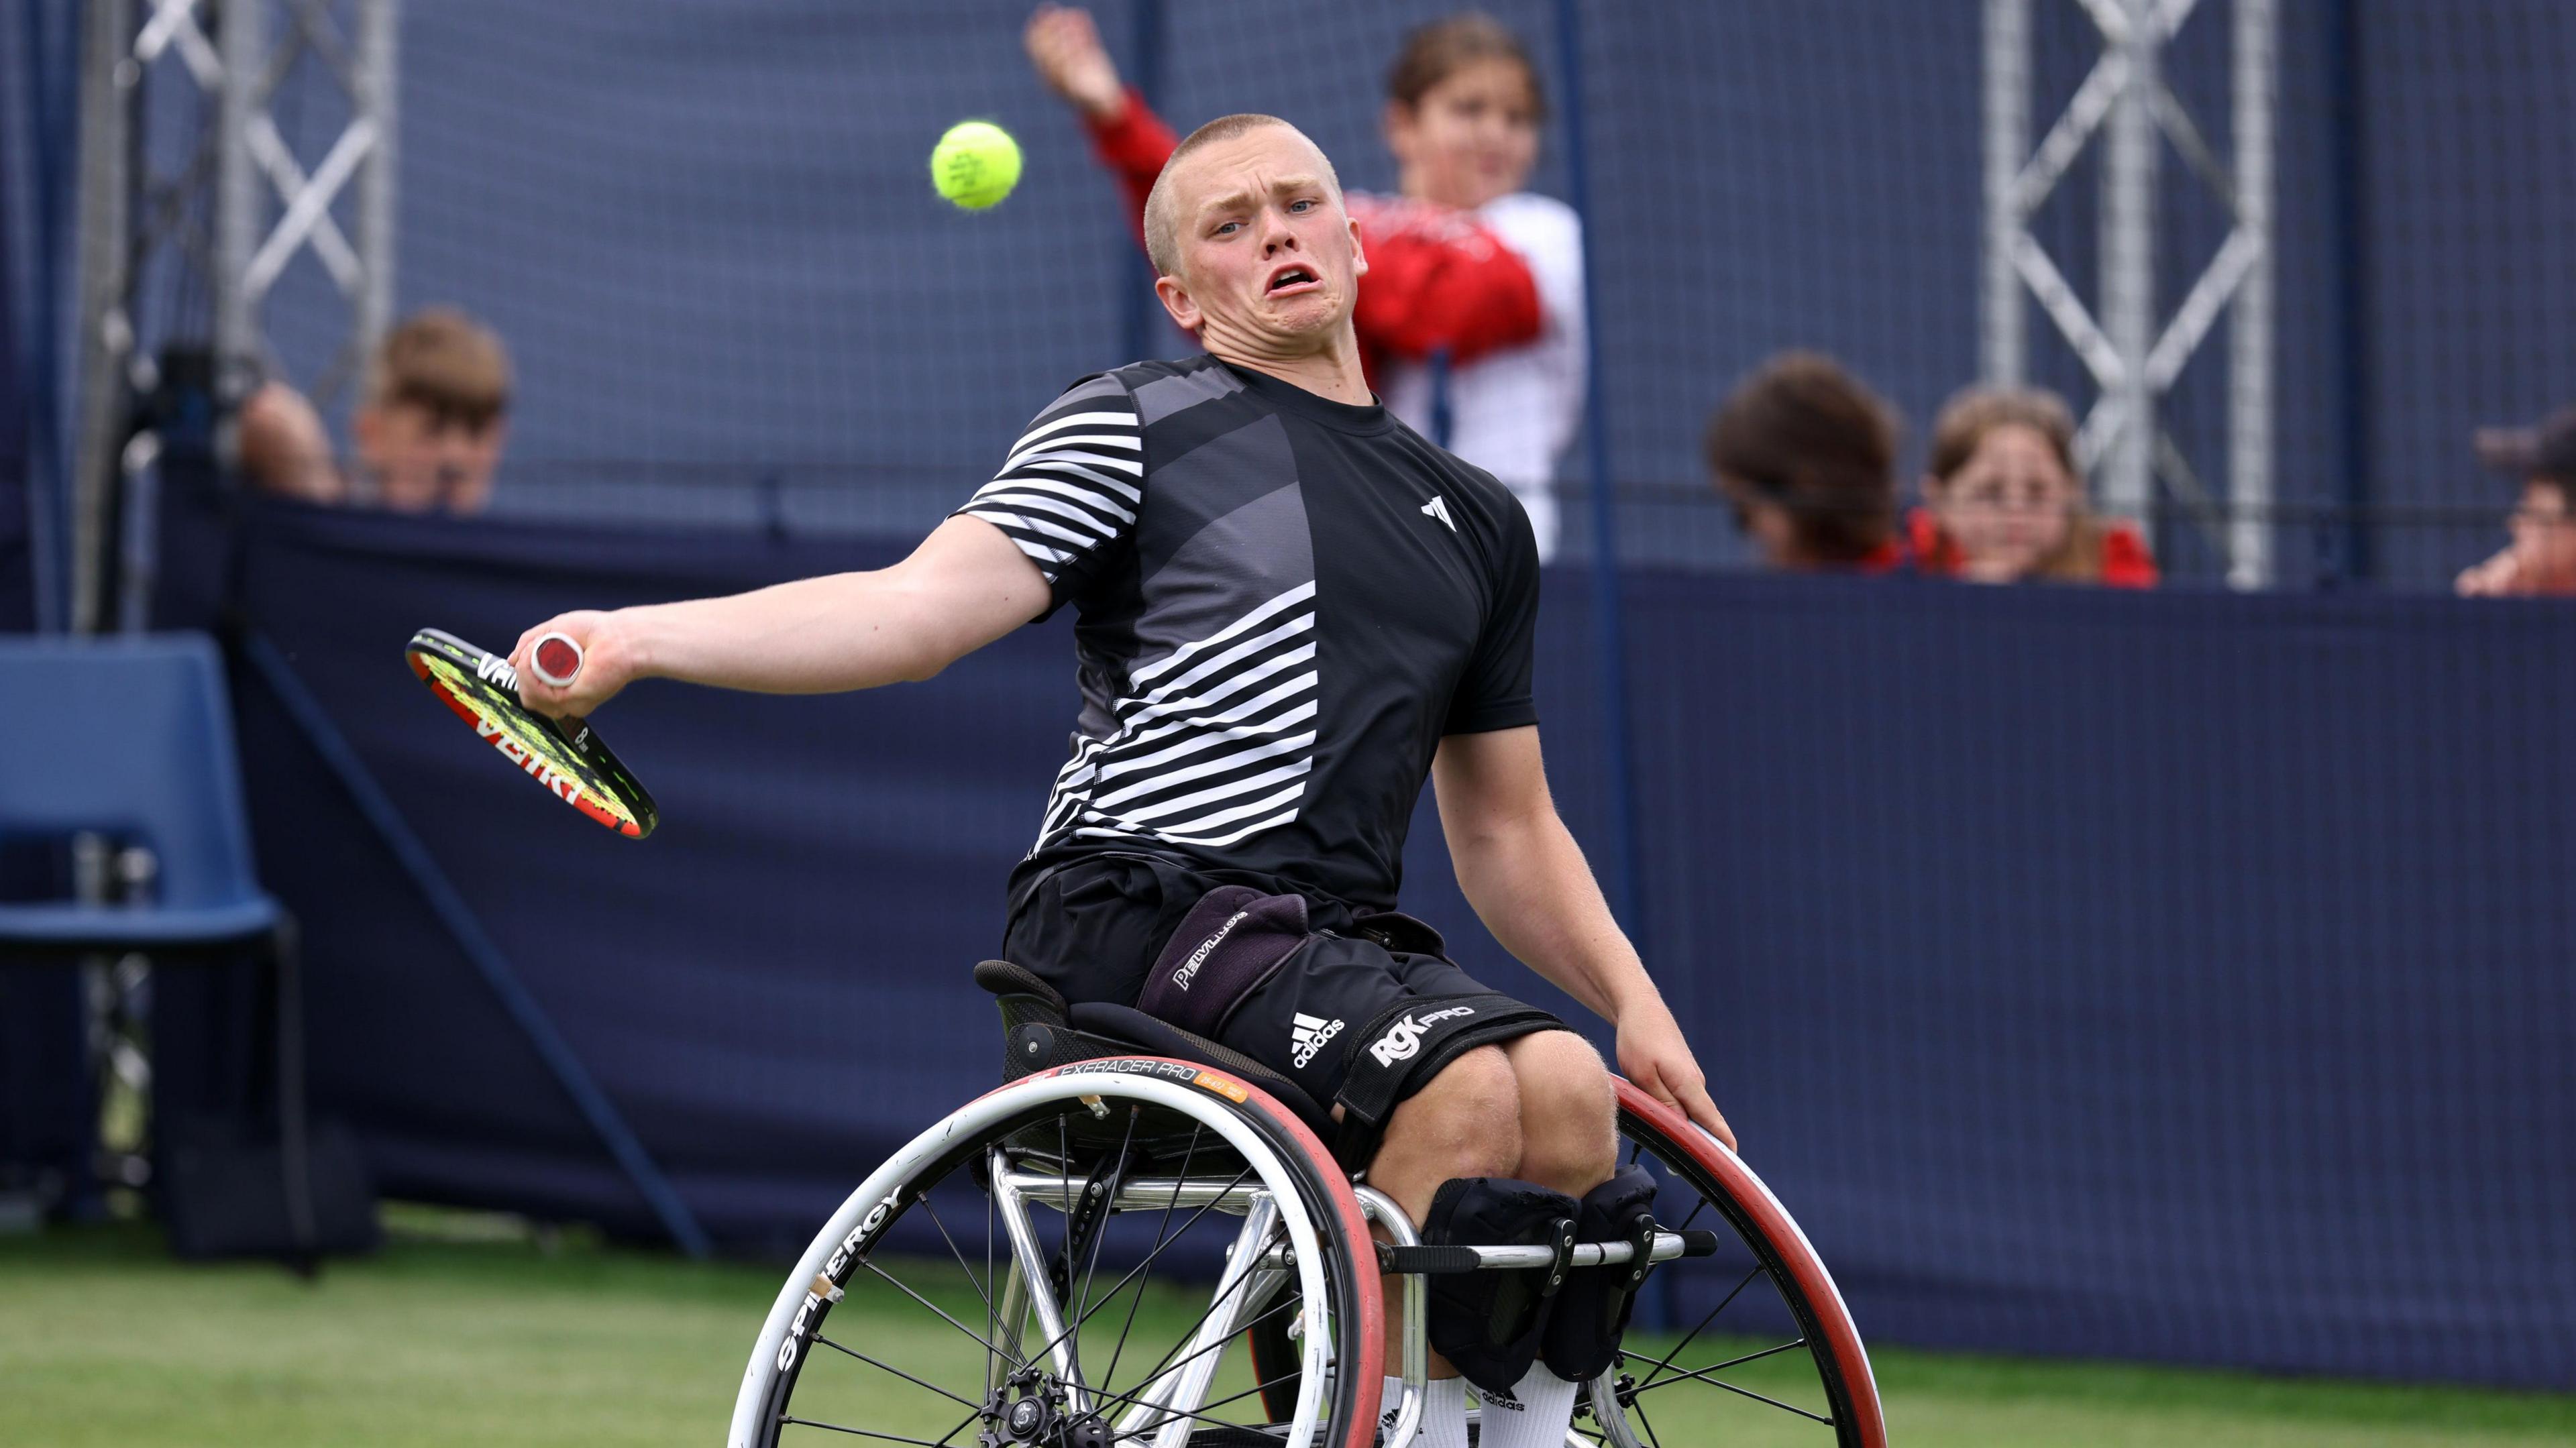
(898, 1372)
(1132, 1273)
(1161, 1235)
(861, 1432)
(1201, 1415)
(1171, 1413)
(1706, 1374)
(1759, 1398)
(1072, 1334)
(1100, 1234)
(1168, 1362)
(982, 1288)
(1248, 1392)
(988, 1343)
(992, 1310)
(1648, 1424)
(1666, 1361)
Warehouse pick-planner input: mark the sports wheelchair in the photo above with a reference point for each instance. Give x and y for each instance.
(1035, 1272)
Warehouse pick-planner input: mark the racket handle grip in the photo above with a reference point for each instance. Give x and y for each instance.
(555, 659)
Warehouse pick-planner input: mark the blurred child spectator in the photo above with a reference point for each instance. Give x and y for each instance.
(427, 430)
(2003, 501)
(1464, 263)
(2541, 560)
(1806, 455)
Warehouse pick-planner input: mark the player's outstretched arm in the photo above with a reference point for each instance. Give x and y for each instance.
(1522, 870)
(965, 586)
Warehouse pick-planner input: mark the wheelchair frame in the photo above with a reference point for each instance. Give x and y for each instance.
(1276, 1245)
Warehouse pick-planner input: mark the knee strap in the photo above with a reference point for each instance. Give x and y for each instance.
(1406, 1046)
(1488, 1323)
(1591, 1311)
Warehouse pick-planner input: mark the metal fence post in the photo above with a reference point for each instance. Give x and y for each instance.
(1147, 35)
(1609, 609)
(2342, 536)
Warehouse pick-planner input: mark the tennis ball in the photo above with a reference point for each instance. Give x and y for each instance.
(976, 164)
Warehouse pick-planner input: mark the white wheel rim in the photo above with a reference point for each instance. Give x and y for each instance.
(751, 1401)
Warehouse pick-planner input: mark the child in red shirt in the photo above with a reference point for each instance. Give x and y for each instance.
(1464, 264)
(2003, 502)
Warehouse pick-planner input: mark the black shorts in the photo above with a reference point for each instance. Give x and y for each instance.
(1095, 929)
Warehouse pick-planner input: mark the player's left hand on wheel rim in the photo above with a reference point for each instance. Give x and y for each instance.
(1653, 1054)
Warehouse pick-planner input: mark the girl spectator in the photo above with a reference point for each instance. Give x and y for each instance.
(2003, 502)
(1464, 266)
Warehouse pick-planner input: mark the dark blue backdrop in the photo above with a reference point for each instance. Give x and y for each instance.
(2174, 977)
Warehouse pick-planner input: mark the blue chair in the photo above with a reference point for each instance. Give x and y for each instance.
(132, 739)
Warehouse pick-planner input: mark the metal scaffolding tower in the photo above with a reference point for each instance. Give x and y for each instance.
(2132, 358)
(233, 213)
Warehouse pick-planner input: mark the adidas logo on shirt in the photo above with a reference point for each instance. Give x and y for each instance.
(1307, 1035)
(1438, 508)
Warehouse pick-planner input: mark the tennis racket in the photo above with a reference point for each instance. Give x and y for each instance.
(566, 756)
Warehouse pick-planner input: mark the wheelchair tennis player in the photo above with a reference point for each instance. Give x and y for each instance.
(1291, 608)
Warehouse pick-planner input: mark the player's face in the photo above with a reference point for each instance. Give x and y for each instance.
(1471, 138)
(425, 461)
(1270, 262)
(2008, 508)
(2544, 539)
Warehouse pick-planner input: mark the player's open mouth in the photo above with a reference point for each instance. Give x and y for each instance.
(1292, 279)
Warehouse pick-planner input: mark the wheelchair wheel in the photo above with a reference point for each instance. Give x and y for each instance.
(1081, 1259)
(1757, 1347)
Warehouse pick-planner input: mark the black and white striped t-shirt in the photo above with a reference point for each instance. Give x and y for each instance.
(1282, 604)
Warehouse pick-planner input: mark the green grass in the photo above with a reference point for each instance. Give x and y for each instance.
(466, 1333)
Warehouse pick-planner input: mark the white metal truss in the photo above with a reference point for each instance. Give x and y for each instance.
(234, 215)
(2132, 358)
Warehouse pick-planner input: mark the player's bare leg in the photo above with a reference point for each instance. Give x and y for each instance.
(1569, 1118)
(1569, 1114)
(1465, 1122)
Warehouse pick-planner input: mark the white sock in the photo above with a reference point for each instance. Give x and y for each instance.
(1444, 1411)
(1535, 1414)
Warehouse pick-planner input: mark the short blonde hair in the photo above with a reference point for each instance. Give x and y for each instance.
(445, 361)
(1162, 240)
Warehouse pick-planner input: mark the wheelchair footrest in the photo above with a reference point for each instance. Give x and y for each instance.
(1392, 1258)
(1668, 1245)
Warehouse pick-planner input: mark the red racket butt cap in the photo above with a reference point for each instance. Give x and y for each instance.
(556, 659)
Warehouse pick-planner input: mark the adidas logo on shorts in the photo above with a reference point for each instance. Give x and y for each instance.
(1307, 1035)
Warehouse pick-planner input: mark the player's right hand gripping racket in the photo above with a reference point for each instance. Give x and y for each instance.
(564, 755)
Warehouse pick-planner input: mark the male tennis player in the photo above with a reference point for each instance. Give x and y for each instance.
(1291, 609)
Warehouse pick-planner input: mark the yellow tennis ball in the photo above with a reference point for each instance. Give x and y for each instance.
(976, 164)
